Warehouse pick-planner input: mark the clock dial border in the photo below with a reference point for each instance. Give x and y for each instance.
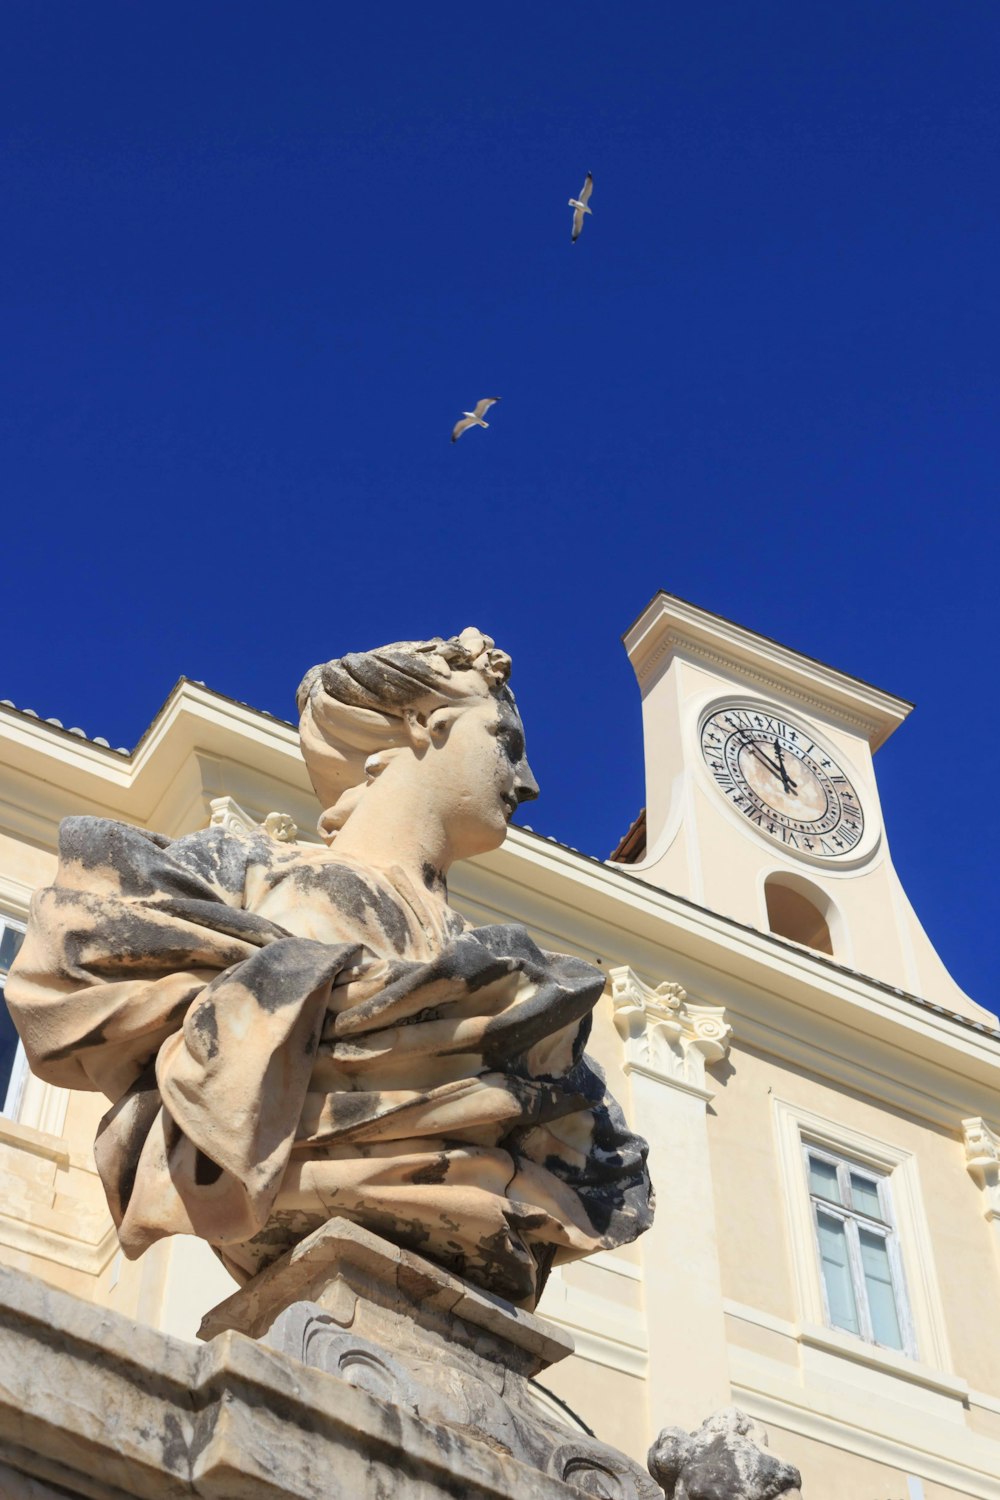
(842, 832)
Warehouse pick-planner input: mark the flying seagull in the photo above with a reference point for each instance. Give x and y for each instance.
(473, 418)
(580, 204)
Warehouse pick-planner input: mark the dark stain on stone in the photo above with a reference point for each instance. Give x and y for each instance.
(206, 1025)
(97, 843)
(434, 1172)
(286, 971)
(127, 942)
(351, 1109)
(174, 1447)
(218, 857)
(129, 1122)
(364, 901)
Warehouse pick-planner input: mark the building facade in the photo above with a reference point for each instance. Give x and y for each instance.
(822, 1101)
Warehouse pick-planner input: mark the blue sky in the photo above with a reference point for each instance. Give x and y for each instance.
(257, 259)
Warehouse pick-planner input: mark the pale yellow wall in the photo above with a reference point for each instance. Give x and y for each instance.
(612, 1404)
(753, 1247)
(750, 1198)
(832, 1473)
(25, 862)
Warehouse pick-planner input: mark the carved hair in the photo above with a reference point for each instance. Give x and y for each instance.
(352, 709)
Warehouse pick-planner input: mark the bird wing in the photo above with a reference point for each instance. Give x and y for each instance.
(587, 189)
(482, 407)
(577, 221)
(459, 428)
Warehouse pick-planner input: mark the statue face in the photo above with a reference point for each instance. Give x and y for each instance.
(480, 775)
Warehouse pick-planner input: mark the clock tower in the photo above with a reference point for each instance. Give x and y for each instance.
(761, 798)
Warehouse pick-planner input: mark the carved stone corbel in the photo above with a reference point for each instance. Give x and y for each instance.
(228, 814)
(664, 1033)
(982, 1160)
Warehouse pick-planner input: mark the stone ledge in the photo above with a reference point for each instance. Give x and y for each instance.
(93, 1405)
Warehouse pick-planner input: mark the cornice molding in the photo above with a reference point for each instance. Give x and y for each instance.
(193, 721)
(771, 684)
(669, 623)
(595, 909)
(666, 1036)
(982, 1161)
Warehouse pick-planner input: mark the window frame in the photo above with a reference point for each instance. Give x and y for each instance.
(795, 1123)
(854, 1220)
(13, 1096)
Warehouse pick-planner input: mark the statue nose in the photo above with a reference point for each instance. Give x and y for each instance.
(525, 786)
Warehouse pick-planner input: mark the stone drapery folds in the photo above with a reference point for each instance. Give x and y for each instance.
(289, 1032)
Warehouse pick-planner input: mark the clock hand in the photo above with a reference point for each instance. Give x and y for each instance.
(790, 785)
(765, 760)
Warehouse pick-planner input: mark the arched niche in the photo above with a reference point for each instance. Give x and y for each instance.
(801, 911)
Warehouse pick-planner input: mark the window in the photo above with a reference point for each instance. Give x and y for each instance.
(887, 1174)
(792, 915)
(12, 1063)
(858, 1250)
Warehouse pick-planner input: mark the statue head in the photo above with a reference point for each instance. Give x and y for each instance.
(441, 707)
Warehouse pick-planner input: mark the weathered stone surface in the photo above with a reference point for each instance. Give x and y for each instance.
(95, 1406)
(360, 1280)
(289, 1032)
(724, 1460)
(403, 1329)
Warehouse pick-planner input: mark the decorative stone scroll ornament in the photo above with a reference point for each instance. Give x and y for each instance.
(667, 1036)
(290, 1033)
(726, 1459)
(982, 1159)
(228, 814)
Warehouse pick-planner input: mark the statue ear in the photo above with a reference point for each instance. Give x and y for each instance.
(417, 731)
(424, 730)
(439, 722)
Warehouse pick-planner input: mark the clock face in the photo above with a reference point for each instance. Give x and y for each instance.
(787, 786)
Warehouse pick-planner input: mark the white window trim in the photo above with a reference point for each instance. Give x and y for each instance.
(796, 1126)
(29, 1101)
(11, 1102)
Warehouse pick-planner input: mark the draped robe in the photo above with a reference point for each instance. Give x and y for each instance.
(286, 1036)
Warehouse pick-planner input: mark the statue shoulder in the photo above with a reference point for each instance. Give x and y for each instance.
(101, 853)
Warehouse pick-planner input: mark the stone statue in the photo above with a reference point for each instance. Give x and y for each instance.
(290, 1033)
(726, 1459)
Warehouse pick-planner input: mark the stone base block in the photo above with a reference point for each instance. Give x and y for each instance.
(388, 1322)
(95, 1406)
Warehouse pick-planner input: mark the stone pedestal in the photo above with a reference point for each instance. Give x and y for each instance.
(390, 1323)
(95, 1406)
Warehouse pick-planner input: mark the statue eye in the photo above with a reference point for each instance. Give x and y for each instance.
(512, 741)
